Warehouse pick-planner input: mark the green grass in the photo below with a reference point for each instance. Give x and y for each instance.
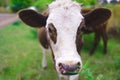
(20, 57)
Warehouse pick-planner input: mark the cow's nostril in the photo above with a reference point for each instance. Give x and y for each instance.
(60, 64)
(62, 68)
(78, 65)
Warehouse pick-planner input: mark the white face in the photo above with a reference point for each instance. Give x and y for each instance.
(66, 18)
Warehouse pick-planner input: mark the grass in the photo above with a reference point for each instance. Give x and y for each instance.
(20, 57)
(100, 65)
(20, 54)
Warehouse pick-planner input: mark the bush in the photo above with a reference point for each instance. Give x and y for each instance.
(17, 5)
(88, 2)
(41, 5)
(2, 3)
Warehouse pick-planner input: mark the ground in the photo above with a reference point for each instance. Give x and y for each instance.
(6, 19)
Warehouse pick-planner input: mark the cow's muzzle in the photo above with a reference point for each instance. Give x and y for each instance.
(69, 69)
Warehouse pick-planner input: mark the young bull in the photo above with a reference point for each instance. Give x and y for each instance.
(61, 32)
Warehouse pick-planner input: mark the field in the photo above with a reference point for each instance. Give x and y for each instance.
(20, 57)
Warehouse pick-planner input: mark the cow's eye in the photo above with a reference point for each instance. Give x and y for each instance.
(52, 32)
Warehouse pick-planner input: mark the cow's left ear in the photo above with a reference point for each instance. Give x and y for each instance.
(97, 17)
(32, 18)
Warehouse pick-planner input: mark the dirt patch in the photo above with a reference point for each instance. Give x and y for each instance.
(6, 19)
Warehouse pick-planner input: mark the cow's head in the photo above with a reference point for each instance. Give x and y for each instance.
(64, 26)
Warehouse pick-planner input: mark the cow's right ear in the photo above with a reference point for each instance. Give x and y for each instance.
(97, 16)
(32, 18)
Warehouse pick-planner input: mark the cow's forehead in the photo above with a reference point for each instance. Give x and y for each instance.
(65, 14)
(63, 3)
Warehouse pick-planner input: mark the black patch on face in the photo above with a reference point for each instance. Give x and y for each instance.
(52, 32)
(42, 36)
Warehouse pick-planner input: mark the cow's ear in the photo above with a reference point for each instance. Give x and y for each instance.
(32, 18)
(97, 16)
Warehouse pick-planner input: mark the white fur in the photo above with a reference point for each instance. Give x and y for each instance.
(32, 8)
(72, 77)
(44, 61)
(66, 17)
(62, 77)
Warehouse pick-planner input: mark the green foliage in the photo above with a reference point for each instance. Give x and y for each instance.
(42, 4)
(88, 2)
(117, 64)
(87, 72)
(17, 23)
(2, 2)
(17, 5)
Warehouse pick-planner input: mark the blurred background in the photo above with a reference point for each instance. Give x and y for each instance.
(21, 54)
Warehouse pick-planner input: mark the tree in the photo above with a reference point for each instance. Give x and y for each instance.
(17, 5)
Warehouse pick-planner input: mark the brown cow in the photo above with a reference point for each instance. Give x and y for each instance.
(61, 31)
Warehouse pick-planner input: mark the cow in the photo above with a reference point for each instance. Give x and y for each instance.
(61, 32)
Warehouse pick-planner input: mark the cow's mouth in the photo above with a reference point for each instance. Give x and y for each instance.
(69, 69)
(70, 72)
